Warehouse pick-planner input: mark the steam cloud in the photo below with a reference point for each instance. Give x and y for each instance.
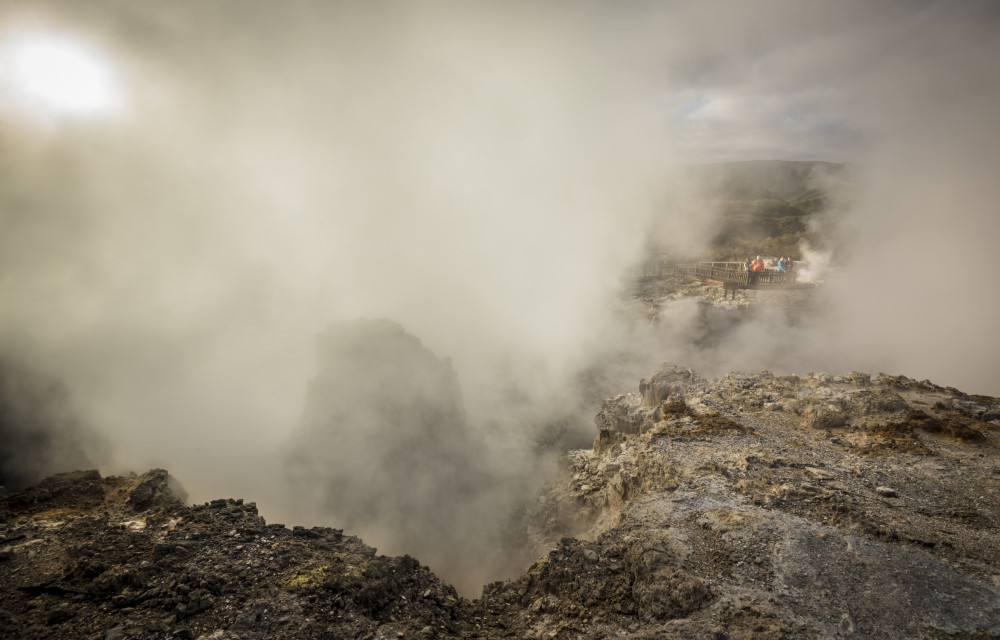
(482, 175)
(385, 447)
(40, 431)
(902, 93)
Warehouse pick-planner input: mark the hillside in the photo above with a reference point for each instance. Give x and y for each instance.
(764, 207)
(751, 506)
(786, 180)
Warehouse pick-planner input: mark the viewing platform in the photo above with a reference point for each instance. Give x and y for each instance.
(731, 275)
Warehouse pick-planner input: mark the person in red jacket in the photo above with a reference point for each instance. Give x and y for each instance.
(756, 268)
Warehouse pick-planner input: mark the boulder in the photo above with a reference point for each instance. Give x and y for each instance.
(671, 380)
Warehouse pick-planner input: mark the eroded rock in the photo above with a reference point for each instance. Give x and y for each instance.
(829, 517)
(865, 507)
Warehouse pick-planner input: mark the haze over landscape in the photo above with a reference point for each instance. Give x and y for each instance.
(226, 183)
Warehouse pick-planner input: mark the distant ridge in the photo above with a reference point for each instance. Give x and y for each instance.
(757, 207)
(788, 180)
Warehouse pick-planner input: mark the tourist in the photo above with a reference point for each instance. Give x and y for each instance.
(756, 268)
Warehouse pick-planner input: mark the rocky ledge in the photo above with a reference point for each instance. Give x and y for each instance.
(762, 506)
(751, 506)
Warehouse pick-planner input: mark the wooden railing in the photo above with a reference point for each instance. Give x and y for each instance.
(698, 269)
(730, 274)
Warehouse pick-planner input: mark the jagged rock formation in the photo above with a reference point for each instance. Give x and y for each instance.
(121, 557)
(751, 506)
(383, 446)
(756, 506)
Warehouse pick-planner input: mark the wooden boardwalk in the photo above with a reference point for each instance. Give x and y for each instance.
(730, 274)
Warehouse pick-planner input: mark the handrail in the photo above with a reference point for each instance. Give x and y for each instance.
(730, 273)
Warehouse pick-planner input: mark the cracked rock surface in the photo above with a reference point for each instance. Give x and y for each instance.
(756, 506)
(750, 506)
(122, 557)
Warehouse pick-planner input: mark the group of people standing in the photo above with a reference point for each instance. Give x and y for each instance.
(753, 266)
(756, 267)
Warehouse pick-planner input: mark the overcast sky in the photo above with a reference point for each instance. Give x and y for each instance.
(191, 190)
(724, 81)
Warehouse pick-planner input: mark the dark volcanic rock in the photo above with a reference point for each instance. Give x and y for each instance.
(155, 490)
(215, 570)
(74, 491)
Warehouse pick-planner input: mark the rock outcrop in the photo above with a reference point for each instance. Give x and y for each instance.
(120, 557)
(762, 506)
(750, 506)
(383, 447)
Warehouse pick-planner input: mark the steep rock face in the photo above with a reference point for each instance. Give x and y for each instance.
(633, 413)
(757, 506)
(383, 446)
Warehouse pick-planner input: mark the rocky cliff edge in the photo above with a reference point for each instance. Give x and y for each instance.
(762, 506)
(751, 506)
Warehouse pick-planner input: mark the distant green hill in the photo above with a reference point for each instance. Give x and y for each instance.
(764, 205)
(765, 179)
